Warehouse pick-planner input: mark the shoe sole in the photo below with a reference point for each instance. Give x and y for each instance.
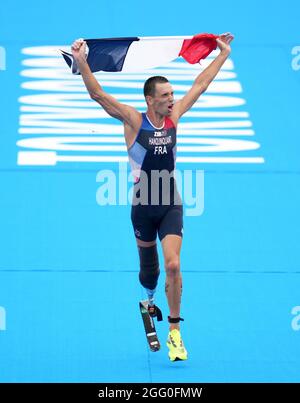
(177, 359)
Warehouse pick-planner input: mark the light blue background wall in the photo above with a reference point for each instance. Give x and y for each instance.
(68, 267)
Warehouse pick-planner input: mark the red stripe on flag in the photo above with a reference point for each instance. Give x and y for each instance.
(199, 47)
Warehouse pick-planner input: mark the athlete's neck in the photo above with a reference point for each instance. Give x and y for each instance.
(158, 121)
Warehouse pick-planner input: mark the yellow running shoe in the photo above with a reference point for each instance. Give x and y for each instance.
(177, 351)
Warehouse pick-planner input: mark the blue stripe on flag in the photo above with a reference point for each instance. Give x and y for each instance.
(108, 54)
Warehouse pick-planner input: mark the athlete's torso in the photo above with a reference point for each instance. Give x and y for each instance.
(153, 153)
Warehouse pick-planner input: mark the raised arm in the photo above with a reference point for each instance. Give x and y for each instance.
(111, 105)
(205, 78)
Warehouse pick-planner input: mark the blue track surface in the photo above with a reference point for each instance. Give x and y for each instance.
(69, 287)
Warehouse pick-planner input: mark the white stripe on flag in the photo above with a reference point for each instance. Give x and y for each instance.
(146, 54)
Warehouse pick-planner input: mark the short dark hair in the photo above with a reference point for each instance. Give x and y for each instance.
(149, 86)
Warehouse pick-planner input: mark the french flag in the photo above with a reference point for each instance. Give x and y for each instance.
(141, 53)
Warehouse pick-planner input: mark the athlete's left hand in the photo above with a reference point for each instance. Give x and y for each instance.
(223, 42)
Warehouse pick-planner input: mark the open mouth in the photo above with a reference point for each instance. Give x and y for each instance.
(170, 107)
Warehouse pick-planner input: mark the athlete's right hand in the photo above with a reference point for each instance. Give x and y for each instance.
(78, 48)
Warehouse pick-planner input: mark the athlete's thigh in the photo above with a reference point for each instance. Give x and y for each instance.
(144, 227)
(171, 222)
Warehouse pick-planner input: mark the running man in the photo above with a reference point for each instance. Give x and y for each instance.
(151, 143)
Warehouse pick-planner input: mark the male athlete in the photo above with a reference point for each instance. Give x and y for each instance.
(151, 143)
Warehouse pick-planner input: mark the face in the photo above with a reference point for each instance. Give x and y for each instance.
(163, 100)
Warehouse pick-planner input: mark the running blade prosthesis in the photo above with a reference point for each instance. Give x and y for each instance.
(149, 312)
